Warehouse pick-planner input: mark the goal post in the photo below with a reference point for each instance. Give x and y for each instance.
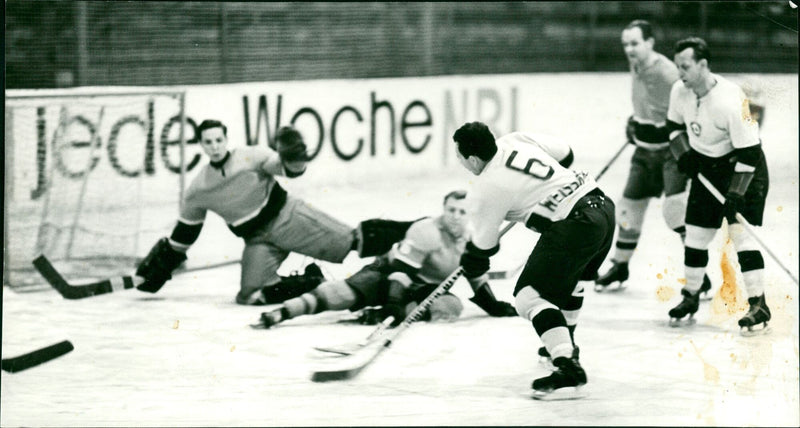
(92, 178)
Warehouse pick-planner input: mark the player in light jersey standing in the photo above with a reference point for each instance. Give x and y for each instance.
(524, 178)
(653, 169)
(714, 134)
(240, 186)
(403, 277)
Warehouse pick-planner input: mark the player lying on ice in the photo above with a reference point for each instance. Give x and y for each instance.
(400, 279)
(239, 185)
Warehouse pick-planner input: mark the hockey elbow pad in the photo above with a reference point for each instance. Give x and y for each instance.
(158, 265)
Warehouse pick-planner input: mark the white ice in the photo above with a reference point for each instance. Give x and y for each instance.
(186, 356)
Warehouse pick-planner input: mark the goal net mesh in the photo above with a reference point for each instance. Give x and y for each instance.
(92, 181)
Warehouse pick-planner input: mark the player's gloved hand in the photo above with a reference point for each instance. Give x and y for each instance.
(290, 145)
(157, 266)
(475, 261)
(630, 130)
(734, 202)
(689, 163)
(486, 300)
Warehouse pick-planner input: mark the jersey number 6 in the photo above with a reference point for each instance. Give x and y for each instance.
(533, 167)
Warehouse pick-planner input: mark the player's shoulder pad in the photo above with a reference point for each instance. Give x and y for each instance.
(424, 235)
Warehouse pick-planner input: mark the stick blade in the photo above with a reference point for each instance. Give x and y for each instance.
(74, 292)
(34, 358)
(350, 366)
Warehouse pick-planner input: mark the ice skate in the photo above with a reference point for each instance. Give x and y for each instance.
(270, 318)
(688, 306)
(563, 384)
(293, 285)
(705, 288)
(759, 313)
(547, 361)
(617, 273)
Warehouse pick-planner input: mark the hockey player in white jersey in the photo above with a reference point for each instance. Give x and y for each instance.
(524, 178)
(713, 133)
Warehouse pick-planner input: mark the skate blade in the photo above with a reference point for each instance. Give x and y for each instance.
(566, 393)
(680, 322)
(610, 288)
(259, 326)
(750, 331)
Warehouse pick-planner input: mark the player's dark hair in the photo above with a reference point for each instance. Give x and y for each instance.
(211, 123)
(475, 139)
(644, 26)
(698, 45)
(288, 135)
(455, 194)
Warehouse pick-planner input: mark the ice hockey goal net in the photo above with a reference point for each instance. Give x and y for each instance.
(92, 179)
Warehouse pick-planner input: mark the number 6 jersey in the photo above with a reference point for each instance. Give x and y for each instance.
(524, 182)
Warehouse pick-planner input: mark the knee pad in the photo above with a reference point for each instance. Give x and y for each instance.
(699, 237)
(630, 213)
(529, 303)
(741, 238)
(674, 210)
(335, 295)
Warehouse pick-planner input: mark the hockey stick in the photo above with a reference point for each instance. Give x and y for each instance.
(350, 349)
(611, 161)
(34, 358)
(350, 366)
(104, 286)
(749, 228)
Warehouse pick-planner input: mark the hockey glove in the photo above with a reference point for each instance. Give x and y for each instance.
(475, 261)
(734, 199)
(630, 130)
(291, 147)
(689, 163)
(157, 266)
(485, 299)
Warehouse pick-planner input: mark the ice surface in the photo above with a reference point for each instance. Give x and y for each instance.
(186, 356)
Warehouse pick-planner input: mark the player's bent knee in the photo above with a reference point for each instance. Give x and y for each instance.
(699, 237)
(529, 303)
(674, 210)
(547, 320)
(335, 295)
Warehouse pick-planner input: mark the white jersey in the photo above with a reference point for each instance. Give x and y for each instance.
(524, 179)
(717, 123)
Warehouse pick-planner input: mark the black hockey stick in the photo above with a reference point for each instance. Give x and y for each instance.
(34, 358)
(611, 161)
(104, 286)
(749, 228)
(73, 292)
(350, 366)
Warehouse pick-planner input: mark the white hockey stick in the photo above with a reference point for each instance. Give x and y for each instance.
(718, 195)
(348, 367)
